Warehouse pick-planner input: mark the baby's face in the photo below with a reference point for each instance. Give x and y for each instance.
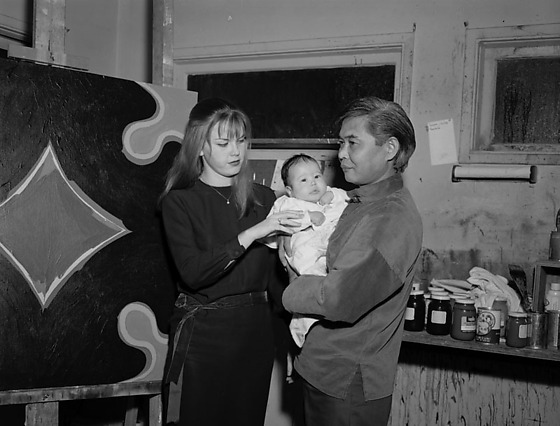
(306, 182)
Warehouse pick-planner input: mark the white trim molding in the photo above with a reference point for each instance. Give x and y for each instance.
(384, 49)
(484, 46)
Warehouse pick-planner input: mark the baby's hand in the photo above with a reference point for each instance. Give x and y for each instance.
(326, 198)
(317, 218)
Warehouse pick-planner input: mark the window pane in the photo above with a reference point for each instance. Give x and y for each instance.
(296, 104)
(527, 104)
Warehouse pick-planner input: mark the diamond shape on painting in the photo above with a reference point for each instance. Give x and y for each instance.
(49, 228)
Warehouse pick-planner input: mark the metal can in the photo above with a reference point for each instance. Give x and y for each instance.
(537, 330)
(517, 330)
(553, 329)
(463, 325)
(488, 326)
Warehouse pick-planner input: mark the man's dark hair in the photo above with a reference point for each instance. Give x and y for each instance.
(385, 119)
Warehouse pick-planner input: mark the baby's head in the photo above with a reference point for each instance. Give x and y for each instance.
(303, 178)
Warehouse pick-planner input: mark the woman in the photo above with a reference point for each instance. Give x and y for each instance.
(213, 214)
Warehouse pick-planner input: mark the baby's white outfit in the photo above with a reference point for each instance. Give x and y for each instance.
(309, 245)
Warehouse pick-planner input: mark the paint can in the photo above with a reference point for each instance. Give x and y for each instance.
(488, 326)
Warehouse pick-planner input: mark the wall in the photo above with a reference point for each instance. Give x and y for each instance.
(487, 224)
(113, 35)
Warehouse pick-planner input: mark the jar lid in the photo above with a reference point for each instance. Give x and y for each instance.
(416, 292)
(465, 301)
(518, 314)
(457, 296)
(555, 286)
(438, 296)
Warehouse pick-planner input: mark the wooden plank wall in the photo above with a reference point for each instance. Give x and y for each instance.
(446, 386)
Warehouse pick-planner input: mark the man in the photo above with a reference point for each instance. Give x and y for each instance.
(349, 359)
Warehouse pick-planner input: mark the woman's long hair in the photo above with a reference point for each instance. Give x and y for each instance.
(187, 166)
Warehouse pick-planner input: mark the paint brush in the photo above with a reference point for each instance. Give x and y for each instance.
(518, 282)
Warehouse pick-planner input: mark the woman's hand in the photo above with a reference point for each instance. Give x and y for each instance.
(278, 223)
(285, 251)
(289, 368)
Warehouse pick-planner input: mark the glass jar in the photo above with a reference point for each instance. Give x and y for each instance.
(415, 313)
(463, 325)
(517, 328)
(439, 315)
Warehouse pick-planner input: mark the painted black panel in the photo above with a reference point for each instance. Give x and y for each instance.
(75, 339)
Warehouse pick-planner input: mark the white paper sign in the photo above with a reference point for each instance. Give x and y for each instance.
(441, 135)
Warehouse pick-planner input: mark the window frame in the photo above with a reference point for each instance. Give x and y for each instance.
(484, 47)
(388, 49)
(10, 35)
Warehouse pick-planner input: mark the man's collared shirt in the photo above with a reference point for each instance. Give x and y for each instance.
(370, 260)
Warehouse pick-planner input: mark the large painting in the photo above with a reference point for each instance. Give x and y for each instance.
(85, 283)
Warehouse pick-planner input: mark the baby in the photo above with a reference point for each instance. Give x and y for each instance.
(322, 206)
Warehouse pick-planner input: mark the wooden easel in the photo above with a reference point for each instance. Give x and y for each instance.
(42, 405)
(49, 30)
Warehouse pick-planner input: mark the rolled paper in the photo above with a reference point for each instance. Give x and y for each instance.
(483, 172)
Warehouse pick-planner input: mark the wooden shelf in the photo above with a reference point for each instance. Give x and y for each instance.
(423, 338)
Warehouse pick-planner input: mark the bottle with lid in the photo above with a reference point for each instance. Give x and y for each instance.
(427, 298)
(552, 302)
(415, 313)
(439, 315)
(554, 250)
(463, 326)
(500, 303)
(453, 298)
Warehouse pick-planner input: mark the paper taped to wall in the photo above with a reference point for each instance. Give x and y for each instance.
(441, 136)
